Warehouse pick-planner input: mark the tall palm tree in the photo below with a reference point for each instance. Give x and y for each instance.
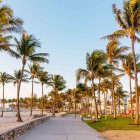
(16, 78)
(128, 67)
(105, 87)
(114, 53)
(94, 62)
(69, 99)
(102, 72)
(26, 51)
(8, 23)
(128, 20)
(121, 94)
(58, 84)
(82, 88)
(76, 92)
(4, 79)
(34, 71)
(45, 79)
(116, 83)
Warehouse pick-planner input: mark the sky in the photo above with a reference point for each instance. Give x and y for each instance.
(67, 30)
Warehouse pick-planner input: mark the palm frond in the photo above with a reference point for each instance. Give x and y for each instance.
(81, 73)
(119, 17)
(14, 54)
(38, 59)
(117, 35)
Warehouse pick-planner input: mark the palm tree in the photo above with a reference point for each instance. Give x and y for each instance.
(82, 88)
(58, 84)
(128, 20)
(44, 78)
(69, 99)
(121, 94)
(102, 72)
(76, 97)
(8, 23)
(34, 71)
(105, 87)
(4, 79)
(114, 53)
(26, 51)
(128, 66)
(116, 83)
(94, 61)
(16, 78)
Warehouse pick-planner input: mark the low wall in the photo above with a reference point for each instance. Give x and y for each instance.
(63, 114)
(15, 132)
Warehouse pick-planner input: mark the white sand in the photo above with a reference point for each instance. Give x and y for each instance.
(9, 120)
(122, 135)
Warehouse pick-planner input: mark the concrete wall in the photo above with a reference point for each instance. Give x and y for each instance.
(13, 133)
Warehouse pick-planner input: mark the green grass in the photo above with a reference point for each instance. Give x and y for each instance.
(121, 123)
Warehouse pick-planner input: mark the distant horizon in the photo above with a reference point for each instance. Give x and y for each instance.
(67, 30)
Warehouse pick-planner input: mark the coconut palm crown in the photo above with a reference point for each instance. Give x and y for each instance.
(8, 23)
(58, 82)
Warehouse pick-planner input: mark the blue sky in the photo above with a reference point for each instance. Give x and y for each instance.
(67, 29)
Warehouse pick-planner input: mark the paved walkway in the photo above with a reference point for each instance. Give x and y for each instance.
(64, 128)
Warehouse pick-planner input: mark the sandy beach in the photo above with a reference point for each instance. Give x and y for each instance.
(122, 135)
(9, 120)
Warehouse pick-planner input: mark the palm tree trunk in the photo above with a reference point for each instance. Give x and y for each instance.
(31, 111)
(82, 106)
(75, 109)
(119, 105)
(54, 105)
(3, 103)
(106, 105)
(88, 105)
(18, 93)
(42, 100)
(114, 105)
(131, 100)
(99, 97)
(95, 103)
(136, 122)
(75, 104)
(16, 101)
(104, 101)
(113, 96)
